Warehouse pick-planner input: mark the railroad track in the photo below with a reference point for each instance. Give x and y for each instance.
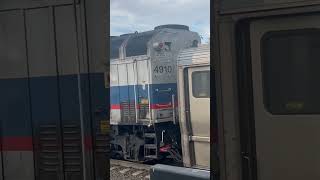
(124, 170)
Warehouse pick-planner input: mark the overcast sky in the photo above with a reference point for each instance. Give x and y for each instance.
(142, 15)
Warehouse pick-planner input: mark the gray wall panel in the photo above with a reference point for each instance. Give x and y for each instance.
(14, 105)
(66, 40)
(44, 92)
(97, 35)
(12, 45)
(98, 48)
(40, 38)
(18, 165)
(23, 4)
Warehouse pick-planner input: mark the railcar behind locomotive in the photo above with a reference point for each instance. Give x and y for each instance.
(143, 90)
(194, 118)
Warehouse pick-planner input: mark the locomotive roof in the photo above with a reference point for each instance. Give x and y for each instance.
(137, 42)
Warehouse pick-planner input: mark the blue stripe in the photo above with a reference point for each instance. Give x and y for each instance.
(46, 97)
(126, 93)
(163, 97)
(14, 107)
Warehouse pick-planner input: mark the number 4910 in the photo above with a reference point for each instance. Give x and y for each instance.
(163, 69)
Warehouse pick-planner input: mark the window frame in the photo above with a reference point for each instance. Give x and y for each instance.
(193, 87)
(280, 33)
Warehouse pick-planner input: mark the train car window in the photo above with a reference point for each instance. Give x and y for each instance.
(201, 84)
(291, 75)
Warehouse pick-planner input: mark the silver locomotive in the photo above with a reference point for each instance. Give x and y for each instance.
(143, 92)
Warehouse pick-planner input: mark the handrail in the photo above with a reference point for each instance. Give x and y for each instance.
(173, 109)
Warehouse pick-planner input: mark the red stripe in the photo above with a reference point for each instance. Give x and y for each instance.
(26, 143)
(88, 143)
(115, 106)
(162, 106)
(16, 144)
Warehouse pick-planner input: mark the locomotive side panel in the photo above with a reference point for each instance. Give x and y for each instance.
(124, 92)
(16, 133)
(164, 86)
(143, 85)
(130, 92)
(164, 70)
(132, 88)
(114, 95)
(127, 97)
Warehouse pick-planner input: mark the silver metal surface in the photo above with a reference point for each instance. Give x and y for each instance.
(78, 65)
(161, 172)
(195, 56)
(199, 139)
(173, 109)
(135, 87)
(149, 92)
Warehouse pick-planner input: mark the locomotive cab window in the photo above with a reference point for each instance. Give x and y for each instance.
(201, 84)
(291, 71)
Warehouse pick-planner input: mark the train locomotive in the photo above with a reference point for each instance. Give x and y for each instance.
(143, 92)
